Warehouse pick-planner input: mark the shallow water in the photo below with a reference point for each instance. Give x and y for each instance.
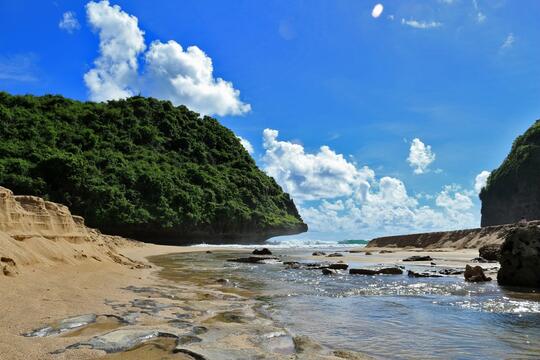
(384, 316)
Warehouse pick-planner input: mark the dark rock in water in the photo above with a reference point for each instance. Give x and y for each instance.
(329, 272)
(254, 259)
(475, 274)
(368, 253)
(208, 252)
(411, 273)
(356, 251)
(383, 271)
(490, 252)
(222, 281)
(318, 253)
(338, 266)
(263, 251)
(363, 272)
(385, 252)
(335, 255)
(479, 260)
(390, 271)
(419, 258)
(432, 264)
(520, 258)
(451, 272)
(292, 264)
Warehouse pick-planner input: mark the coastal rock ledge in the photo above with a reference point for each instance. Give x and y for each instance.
(520, 257)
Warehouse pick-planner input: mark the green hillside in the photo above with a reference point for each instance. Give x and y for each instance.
(141, 168)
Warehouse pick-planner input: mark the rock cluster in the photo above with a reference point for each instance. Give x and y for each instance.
(490, 252)
(520, 257)
(475, 274)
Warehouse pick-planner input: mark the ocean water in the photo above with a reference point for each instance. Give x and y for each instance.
(387, 317)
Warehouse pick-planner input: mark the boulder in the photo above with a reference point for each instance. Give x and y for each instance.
(319, 253)
(520, 257)
(263, 251)
(475, 274)
(368, 253)
(419, 258)
(335, 255)
(254, 259)
(363, 272)
(490, 252)
(391, 271)
(451, 272)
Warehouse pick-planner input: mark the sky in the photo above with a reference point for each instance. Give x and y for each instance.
(379, 118)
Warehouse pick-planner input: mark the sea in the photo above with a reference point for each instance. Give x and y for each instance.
(386, 317)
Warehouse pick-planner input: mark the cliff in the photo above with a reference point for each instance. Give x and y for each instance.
(141, 168)
(34, 231)
(513, 190)
(458, 239)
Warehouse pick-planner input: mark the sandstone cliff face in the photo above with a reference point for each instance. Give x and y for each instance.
(459, 239)
(513, 190)
(34, 231)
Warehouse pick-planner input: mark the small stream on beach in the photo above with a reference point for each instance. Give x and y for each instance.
(383, 316)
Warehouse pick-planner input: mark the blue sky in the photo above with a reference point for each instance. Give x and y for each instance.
(461, 76)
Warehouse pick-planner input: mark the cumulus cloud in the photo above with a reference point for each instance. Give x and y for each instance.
(424, 25)
(183, 76)
(338, 196)
(246, 144)
(420, 156)
(306, 176)
(481, 181)
(508, 41)
(377, 10)
(69, 22)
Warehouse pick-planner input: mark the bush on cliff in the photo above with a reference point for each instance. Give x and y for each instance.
(138, 167)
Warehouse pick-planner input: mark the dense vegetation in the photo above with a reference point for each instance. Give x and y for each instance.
(513, 190)
(139, 167)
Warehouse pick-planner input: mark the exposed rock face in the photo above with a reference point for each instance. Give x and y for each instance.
(513, 190)
(458, 239)
(520, 258)
(35, 231)
(475, 274)
(490, 252)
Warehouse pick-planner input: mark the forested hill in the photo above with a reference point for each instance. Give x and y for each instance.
(141, 168)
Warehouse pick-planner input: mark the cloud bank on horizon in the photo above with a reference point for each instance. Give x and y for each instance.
(183, 76)
(336, 195)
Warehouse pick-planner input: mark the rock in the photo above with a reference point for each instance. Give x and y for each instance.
(490, 252)
(520, 258)
(479, 260)
(391, 271)
(189, 353)
(329, 272)
(338, 266)
(383, 271)
(368, 253)
(222, 281)
(475, 274)
(411, 273)
(385, 252)
(263, 251)
(432, 264)
(451, 272)
(63, 326)
(335, 255)
(208, 252)
(253, 259)
(419, 258)
(318, 253)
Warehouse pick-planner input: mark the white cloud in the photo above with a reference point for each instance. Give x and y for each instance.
(183, 76)
(448, 2)
(337, 196)
(481, 17)
(481, 180)
(421, 24)
(508, 41)
(420, 156)
(69, 22)
(306, 176)
(115, 71)
(246, 144)
(377, 10)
